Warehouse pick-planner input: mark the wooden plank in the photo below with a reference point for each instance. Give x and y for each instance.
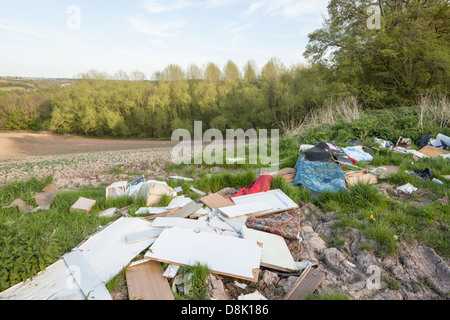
(187, 210)
(86, 277)
(145, 282)
(224, 255)
(306, 284)
(216, 200)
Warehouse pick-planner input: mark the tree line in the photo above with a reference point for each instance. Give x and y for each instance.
(385, 67)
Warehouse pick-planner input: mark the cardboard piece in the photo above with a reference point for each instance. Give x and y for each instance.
(117, 189)
(156, 192)
(145, 282)
(215, 201)
(363, 176)
(392, 169)
(83, 205)
(433, 152)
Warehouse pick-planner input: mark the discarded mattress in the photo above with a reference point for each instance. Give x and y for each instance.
(320, 176)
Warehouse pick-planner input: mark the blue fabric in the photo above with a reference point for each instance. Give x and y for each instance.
(320, 176)
(300, 158)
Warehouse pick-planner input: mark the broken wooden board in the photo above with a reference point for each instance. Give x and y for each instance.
(246, 209)
(179, 202)
(197, 191)
(306, 284)
(83, 205)
(363, 176)
(275, 252)
(193, 224)
(86, 277)
(215, 200)
(143, 235)
(159, 215)
(433, 152)
(186, 211)
(277, 199)
(230, 256)
(145, 282)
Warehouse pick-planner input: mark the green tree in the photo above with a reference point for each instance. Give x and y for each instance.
(390, 64)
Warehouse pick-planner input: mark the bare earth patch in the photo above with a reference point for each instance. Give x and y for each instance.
(76, 162)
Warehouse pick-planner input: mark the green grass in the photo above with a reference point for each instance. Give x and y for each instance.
(31, 242)
(197, 275)
(328, 295)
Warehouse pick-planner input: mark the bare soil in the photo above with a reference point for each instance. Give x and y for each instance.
(22, 145)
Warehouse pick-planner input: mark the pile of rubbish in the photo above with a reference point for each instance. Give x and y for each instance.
(235, 233)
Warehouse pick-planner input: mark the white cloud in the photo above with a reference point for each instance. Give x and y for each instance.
(155, 28)
(254, 7)
(241, 27)
(159, 6)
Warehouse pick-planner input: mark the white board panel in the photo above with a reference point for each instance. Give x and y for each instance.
(86, 277)
(275, 198)
(275, 253)
(54, 283)
(247, 208)
(106, 252)
(222, 254)
(143, 235)
(193, 224)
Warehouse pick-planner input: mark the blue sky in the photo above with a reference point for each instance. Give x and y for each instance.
(64, 38)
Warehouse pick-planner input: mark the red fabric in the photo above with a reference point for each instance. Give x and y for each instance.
(259, 185)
